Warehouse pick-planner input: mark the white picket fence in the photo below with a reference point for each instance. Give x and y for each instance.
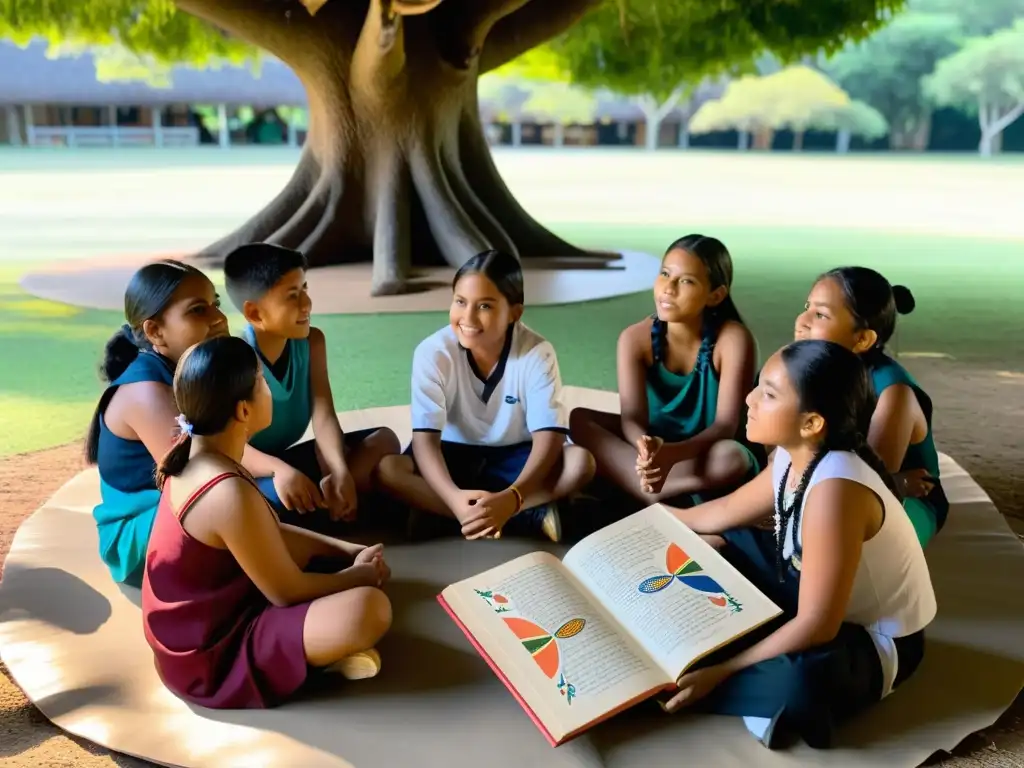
(112, 136)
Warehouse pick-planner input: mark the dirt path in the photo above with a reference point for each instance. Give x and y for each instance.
(978, 418)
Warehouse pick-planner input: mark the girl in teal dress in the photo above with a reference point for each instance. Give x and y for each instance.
(683, 375)
(857, 307)
(169, 306)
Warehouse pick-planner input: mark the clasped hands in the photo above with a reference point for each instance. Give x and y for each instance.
(336, 492)
(369, 566)
(652, 464)
(483, 514)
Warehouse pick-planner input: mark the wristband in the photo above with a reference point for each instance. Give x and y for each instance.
(519, 499)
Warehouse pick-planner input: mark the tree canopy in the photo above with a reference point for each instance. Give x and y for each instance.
(886, 69)
(793, 98)
(986, 77)
(631, 46)
(650, 47)
(151, 27)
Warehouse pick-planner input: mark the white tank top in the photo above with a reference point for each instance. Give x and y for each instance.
(892, 592)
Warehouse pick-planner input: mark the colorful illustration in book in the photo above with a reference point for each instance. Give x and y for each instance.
(543, 646)
(499, 603)
(683, 568)
(540, 643)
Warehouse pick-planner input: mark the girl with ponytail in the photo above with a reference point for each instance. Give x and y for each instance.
(843, 563)
(168, 306)
(683, 374)
(236, 606)
(857, 307)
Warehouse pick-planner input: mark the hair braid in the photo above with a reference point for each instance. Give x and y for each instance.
(873, 460)
(786, 514)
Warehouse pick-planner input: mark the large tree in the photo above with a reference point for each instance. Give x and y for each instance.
(886, 70)
(395, 166)
(796, 98)
(986, 77)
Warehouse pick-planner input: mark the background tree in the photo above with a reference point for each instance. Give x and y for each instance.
(986, 77)
(795, 98)
(395, 152)
(885, 71)
(855, 119)
(560, 104)
(977, 17)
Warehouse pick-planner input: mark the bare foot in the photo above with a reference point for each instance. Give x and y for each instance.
(358, 666)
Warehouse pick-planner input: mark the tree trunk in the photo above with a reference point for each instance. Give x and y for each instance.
(993, 121)
(843, 141)
(763, 138)
(798, 141)
(652, 132)
(395, 153)
(683, 135)
(923, 132)
(655, 112)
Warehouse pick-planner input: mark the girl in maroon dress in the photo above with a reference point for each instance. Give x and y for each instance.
(230, 607)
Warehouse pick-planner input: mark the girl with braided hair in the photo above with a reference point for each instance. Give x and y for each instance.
(683, 374)
(857, 307)
(843, 563)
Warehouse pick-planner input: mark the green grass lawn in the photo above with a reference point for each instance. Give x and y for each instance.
(967, 290)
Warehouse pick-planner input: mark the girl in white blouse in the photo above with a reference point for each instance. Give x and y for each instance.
(843, 562)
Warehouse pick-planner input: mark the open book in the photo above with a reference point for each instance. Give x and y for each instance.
(616, 621)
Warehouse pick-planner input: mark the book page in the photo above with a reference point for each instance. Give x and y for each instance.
(678, 597)
(562, 652)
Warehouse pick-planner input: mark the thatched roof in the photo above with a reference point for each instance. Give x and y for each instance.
(28, 76)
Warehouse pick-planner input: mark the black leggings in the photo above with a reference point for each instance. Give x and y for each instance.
(813, 691)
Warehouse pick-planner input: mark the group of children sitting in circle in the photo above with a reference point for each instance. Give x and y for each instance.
(816, 477)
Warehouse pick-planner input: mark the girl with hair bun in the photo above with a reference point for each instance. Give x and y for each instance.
(236, 606)
(843, 562)
(168, 306)
(857, 307)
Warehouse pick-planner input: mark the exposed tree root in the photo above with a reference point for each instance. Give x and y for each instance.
(531, 238)
(455, 233)
(265, 223)
(396, 165)
(392, 233)
(306, 219)
(318, 246)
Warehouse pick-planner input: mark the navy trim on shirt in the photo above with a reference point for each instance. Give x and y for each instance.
(491, 382)
(279, 368)
(427, 429)
(562, 430)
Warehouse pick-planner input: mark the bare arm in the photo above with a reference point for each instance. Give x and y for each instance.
(326, 427)
(748, 504)
(544, 455)
(242, 519)
(305, 545)
(426, 448)
(736, 378)
(892, 425)
(147, 408)
(631, 369)
(260, 464)
(429, 414)
(836, 520)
